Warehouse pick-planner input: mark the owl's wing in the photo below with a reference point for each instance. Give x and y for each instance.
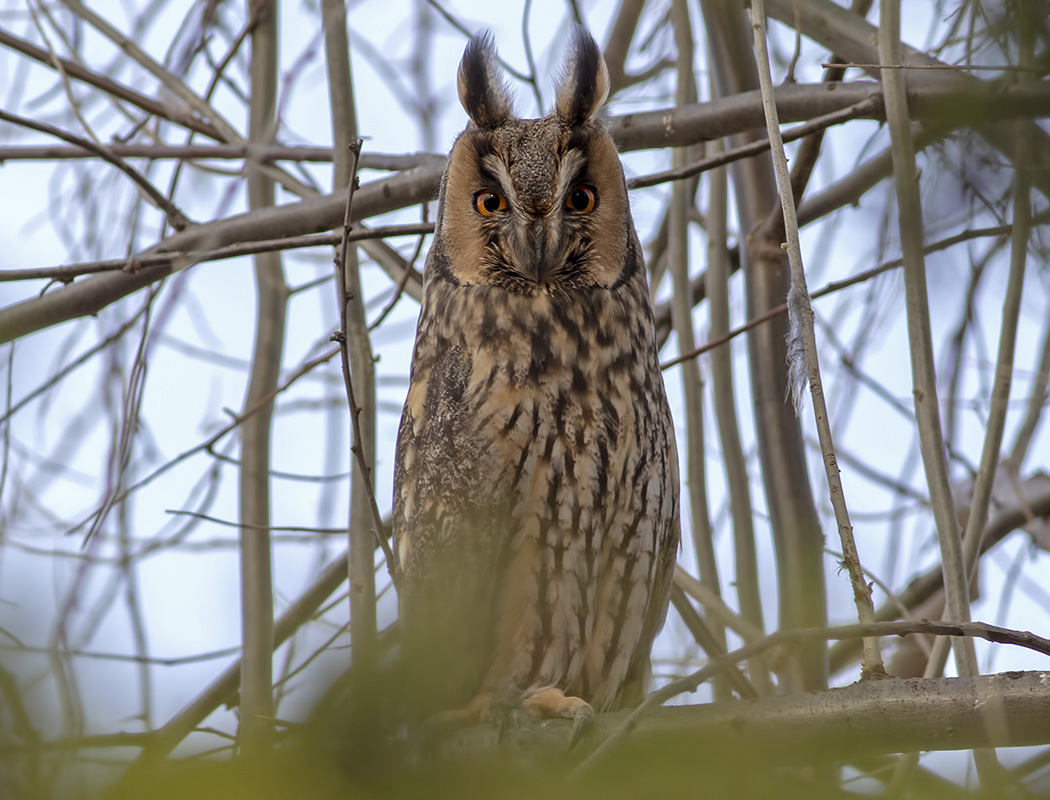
(639, 674)
(448, 536)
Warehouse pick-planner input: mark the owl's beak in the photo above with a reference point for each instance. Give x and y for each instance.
(541, 266)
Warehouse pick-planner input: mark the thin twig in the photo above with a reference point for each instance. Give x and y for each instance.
(794, 520)
(801, 312)
(176, 218)
(264, 153)
(951, 67)
(235, 524)
(748, 587)
(996, 420)
(180, 260)
(355, 410)
(1026, 508)
(923, 370)
(682, 316)
(223, 688)
(180, 115)
(716, 606)
(920, 339)
(526, 39)
(1037, 402)
(357, 359)
(212, 440)
(459, 26)
(5, 419)
(79, 361)
(995, 423)
(228, 133)
(171, 82)
(1038, 392)
(706, 639)
(399, 290)
(835, 286)
(809, 151)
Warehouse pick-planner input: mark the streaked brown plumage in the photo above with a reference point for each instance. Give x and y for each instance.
(536, 480)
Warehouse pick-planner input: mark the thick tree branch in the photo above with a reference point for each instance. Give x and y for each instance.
(256, 729)
(356, 347)
(873, 717)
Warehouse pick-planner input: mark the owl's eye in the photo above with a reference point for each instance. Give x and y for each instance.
(488, 202)
(582, 199)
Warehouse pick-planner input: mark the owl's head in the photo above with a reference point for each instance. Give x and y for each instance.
(533, 205)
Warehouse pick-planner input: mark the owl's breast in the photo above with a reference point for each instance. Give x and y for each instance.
(537, 450)
(569, 388)
(514, 396)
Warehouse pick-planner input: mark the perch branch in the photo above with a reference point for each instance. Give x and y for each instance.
(631, 721)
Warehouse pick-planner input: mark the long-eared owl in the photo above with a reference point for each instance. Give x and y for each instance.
(536, 518)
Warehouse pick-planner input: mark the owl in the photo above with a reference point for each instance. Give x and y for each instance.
(536, 515)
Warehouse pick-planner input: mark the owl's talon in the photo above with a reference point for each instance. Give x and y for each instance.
(552, 703)
(584, 714)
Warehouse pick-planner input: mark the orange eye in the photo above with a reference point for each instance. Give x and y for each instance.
(582, 199)
(487, 202)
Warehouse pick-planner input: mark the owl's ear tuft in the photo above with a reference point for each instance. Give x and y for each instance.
(482, 88)
(584, 84)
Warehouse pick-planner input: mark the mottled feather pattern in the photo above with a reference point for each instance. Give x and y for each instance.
(536, 481)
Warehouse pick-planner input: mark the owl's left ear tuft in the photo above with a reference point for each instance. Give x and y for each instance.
(482, 88)
(584, 84)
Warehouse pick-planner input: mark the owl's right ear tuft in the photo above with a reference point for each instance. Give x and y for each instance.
(482, 88)
(584, 85)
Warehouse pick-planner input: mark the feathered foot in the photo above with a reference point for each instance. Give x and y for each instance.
(552, 703)
(549, 703)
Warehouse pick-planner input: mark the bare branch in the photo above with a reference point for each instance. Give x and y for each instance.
(802, 333)
(358, 448)
(176, 114)
(257, 706)
(682, 313)
(921, 345)
(921, 688)
(178, 261)
(836, 724)
(175, 217)
(635, 131)
(802, 600)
